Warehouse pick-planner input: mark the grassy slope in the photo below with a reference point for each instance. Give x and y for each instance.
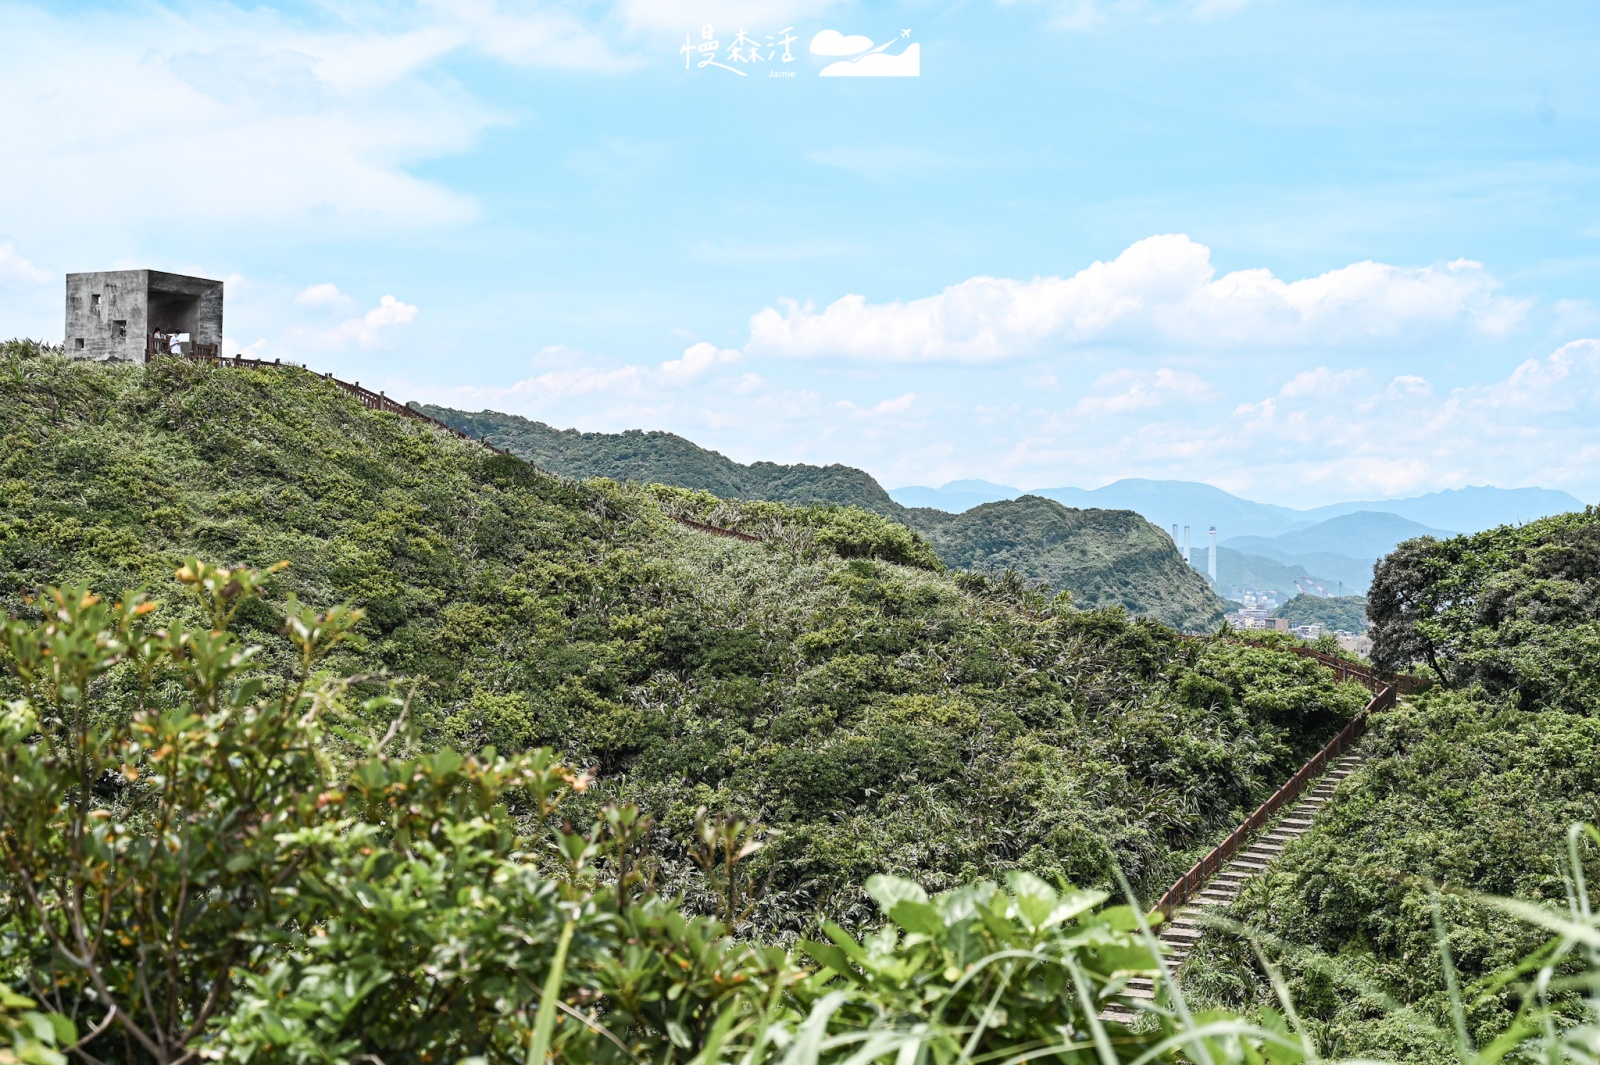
(1471, 789)
(884, 717)
(1103, 558)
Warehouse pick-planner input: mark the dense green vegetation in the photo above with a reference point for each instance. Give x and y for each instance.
(255, 824)
(1347, 613)
(252, 878)
(1515, 609)
(657, 457)
(883, 716)
(1104, 558)
(1470, 789)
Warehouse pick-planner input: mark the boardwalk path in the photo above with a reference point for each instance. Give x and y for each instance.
(1216, 880)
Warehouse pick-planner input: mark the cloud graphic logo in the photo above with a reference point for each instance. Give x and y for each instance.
(877, 64)
(832, 42)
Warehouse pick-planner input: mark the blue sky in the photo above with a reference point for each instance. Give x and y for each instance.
(1304, 251)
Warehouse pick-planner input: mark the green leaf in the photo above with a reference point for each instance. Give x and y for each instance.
(1075, 902)
(918, 917)
(831, 957)
(66, 1032)
(887, 891)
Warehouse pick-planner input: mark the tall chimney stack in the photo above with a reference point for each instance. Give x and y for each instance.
(1175, 540)
(1186, 544)
(1211, 566)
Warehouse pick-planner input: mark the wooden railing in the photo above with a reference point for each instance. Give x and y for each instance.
(1404, 684)
(1194, 881)
(153, 349)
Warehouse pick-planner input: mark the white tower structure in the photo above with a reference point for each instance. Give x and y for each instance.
(1175, 540)
(1211, 565)
(1186, 544)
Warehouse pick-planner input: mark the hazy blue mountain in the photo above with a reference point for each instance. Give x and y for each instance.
(1202, 505)
(1334, 573)
(1365, 534)
(1199, 506)
(1238, 573)
(955, 497)
(1341, 550)
(1467, 510)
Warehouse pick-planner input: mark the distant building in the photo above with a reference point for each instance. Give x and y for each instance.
(130, 315)
(1361, 645)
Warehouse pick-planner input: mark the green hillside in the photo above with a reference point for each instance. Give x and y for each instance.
(657, 457)
(883, 717)
(1104, 558)
(1337, 614)
(1470, 789)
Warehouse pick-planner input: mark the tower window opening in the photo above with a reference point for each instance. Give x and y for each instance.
(120, 329)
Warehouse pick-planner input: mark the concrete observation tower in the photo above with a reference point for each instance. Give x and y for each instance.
(131, 315)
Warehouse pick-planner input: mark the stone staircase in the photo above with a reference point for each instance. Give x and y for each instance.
(1179, 934)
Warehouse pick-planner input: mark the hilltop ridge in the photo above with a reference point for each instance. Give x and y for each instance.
(1102, 557)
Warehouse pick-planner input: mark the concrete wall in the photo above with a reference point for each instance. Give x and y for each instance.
(107, 314)
(110, 314)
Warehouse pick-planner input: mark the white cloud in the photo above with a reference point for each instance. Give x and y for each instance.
(365, 332)
(529, 35)
(326, 294)
(1388, 437)
(728, 16)
(245, 114)
(1141, 391)
(14, 269)
(1321, 382)
(898, 405)
(255, 350)
(1161, 290)
(1082, 15)
(696, 360)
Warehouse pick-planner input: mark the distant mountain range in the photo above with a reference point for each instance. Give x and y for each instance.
(1200, 506)
(1102, 558)
(1267, 548)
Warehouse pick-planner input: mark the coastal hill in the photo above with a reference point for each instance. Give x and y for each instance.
(1102, 557)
